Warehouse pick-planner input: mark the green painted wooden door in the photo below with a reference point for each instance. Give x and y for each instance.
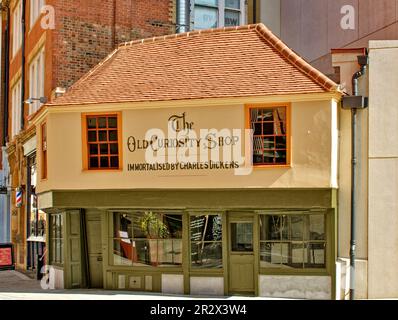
(73, 254)
(94, 248)
(241, 255)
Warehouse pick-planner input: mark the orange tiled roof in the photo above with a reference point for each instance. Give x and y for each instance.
(215, 63)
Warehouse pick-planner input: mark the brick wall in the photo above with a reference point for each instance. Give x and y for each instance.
(88, 30)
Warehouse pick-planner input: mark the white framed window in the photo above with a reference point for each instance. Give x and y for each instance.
(16, 104)
(17, 28)
(36, 81)
(35, 10)
(208, 14)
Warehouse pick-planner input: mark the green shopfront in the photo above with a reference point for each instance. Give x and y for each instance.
(199, 242)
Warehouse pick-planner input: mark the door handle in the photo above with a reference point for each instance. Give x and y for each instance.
(99, 258)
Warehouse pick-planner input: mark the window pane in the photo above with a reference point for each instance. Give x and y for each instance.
(113, 135)
(269, 156)
(101, 122)
(268, 128)
(317, 227)
(174, 225)
(103, 148)
(170, 252)
(268, 115)
(314, 255)
(114, 148)
(92, 136)
(232, 4)
(273, 254)
(104, 162)
(93, 149)
(92, 123)
(258, 157)
(270, 227)
(232, 18)
(94, 162)
(242, 237)
(297, 225)
(114, 162)
(205, 18)
(102, 136)
(123, 225)
(206, 228)
(206, 255)
(123, 252)
(269, 143)
(257, 129)
(112, 122)
(280, 142)
(207, 2)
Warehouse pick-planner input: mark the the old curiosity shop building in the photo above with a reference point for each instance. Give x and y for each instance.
(145, 169)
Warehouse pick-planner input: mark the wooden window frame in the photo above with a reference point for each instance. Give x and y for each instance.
(85, 151)
(249, 158)
(44, 151)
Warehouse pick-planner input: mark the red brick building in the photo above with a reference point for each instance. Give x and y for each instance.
(59, 43)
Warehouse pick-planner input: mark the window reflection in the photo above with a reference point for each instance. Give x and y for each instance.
(147, 239)
(206, 241)
(293, 241)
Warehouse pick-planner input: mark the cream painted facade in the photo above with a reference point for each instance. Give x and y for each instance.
(313, 143)
(305, 187)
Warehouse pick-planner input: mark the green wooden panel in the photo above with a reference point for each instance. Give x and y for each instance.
(241, 273)
(94, 248)
(196, 198)
(73, 250)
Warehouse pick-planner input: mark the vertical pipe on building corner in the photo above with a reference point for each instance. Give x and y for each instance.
(23, 21)
(182, 16)
(254, 11)
(6, 76)
(354, 162)
(114, 26)
(353, 202)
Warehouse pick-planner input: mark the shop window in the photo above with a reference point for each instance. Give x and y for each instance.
(270, 135)
(206, 241)
(37, 218)
(56, 239)
(293, 241)
(103, 142)
(147, 239)
(217, 13)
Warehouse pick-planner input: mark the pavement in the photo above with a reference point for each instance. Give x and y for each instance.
(17, 286)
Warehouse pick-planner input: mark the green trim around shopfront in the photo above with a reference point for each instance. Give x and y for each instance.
(221, 199)
(190, 202)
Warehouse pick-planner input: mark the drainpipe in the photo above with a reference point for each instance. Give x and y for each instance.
(6, 73)
(23, 21)
(254, 11)
(356, 102)
(183, 14)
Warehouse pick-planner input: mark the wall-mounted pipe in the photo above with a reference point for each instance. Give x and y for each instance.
(363, 61)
